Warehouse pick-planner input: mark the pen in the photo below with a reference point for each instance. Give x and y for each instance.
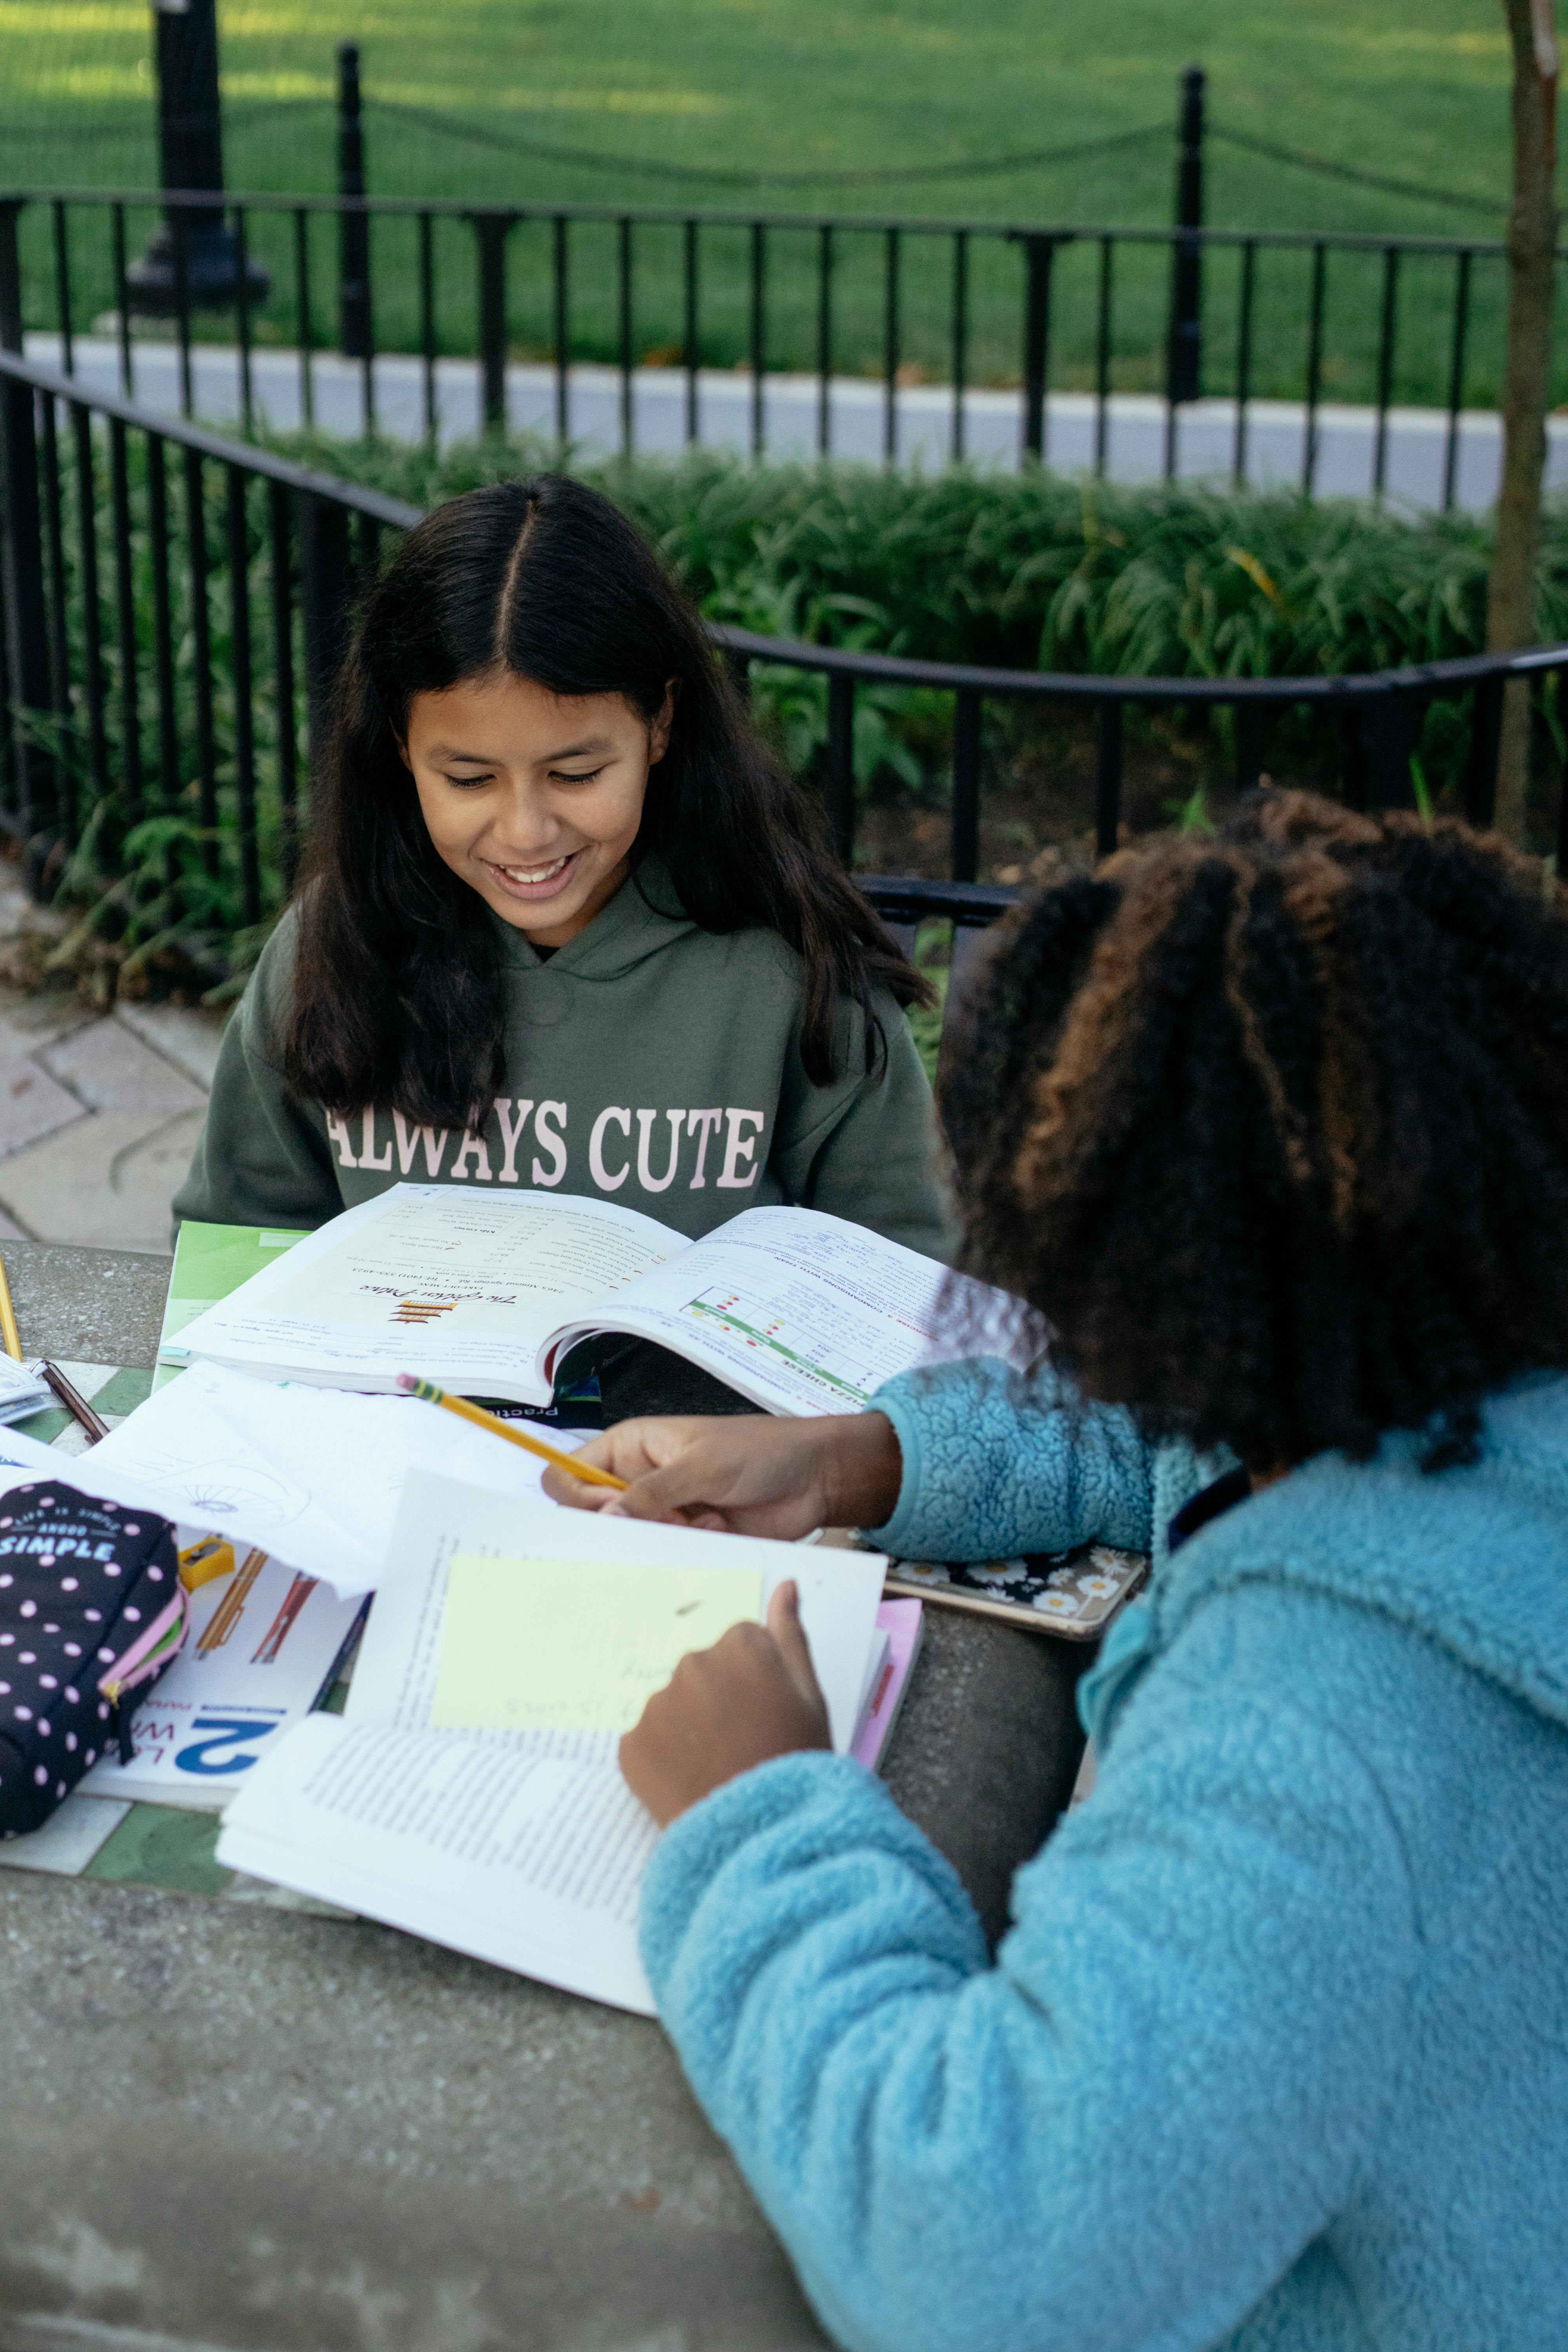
(431, 1394)
(80, 1411)
(8, 1318)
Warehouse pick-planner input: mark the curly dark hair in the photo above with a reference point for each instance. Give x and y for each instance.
(1271, 1129)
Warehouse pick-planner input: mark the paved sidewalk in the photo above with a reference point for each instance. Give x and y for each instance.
(98, 1112)
(1415, 454)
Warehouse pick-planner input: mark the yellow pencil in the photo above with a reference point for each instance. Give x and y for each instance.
(8, 1318)
(431, 1394)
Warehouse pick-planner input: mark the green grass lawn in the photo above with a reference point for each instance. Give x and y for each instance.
(1415, 89)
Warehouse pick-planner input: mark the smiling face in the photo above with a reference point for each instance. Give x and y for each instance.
(534, 799)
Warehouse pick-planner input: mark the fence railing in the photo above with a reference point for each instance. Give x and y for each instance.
(175, 605)
(1175, 313)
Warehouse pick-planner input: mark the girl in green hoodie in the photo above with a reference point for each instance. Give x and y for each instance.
(563, 921)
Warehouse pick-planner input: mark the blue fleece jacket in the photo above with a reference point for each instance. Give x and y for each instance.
(1275, 2055)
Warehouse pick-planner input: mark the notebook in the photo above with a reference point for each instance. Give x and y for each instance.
(900, 1626)
(800, 1312)
(210, 1261)
(1073, 1595)
(264, 1645)
(517, 1841)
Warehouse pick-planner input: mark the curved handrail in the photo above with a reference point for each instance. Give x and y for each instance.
(1106, 685)
(796, 653)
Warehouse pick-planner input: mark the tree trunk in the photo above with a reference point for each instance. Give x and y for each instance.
(1532, 265)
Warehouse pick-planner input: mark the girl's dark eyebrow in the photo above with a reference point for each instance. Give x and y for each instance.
(594, 745)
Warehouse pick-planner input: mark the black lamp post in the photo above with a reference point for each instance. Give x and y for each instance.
(190, 139)
(1185, 363)
(353, 227)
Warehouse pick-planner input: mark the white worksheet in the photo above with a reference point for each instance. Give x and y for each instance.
(312, 1475)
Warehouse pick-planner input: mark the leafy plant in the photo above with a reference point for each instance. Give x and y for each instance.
(1023, 572)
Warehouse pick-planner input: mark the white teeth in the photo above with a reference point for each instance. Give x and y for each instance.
(534, 873)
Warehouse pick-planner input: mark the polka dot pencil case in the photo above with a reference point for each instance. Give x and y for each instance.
(91, 1611)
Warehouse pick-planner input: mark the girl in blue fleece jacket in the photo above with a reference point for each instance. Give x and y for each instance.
(1273, 1132)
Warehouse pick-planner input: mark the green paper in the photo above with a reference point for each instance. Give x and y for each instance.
(122, 1392)
(561, 1645)
(163, 1846)
(210, 1261)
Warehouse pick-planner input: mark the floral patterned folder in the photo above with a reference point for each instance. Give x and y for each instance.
(1074, 1595)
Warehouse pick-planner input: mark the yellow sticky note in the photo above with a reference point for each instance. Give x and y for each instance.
(566, 1646)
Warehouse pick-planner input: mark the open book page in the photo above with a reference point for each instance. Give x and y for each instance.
(461, 1287)
(802, 1313)
(530, 1861)
(398, 1667)
(525, 1848)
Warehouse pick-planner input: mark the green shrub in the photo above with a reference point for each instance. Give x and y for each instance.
(1023, 572)
(1032, 571)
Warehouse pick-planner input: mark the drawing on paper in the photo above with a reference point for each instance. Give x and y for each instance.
(208, 1498)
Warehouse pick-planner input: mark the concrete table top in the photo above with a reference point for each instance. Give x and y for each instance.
(268, 2132)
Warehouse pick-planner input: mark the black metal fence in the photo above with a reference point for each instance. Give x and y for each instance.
(1173, 311)
(175, 605)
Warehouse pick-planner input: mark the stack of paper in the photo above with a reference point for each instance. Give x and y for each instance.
(470, 1792)
(23, 1389)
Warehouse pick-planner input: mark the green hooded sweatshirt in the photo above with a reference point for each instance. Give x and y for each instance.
(647, 1061)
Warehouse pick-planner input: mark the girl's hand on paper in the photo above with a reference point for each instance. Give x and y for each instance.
(752, 1696)
(750, 1474)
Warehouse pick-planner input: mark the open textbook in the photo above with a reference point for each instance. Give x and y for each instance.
(801, 1312)
(518, 1841)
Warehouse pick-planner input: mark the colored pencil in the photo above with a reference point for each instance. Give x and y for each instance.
(431, 1394)
(8, 1318)
(92, 1423)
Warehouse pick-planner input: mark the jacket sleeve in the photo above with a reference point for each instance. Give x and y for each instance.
(262, 1157)
(865, 1146)
(996, 1463)
(1125, 2132)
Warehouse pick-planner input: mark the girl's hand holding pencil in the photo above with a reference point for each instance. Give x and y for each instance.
(753, 1475)
(572, 1465)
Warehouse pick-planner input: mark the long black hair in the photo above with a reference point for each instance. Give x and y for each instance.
(1273, 1129)
(398, 995)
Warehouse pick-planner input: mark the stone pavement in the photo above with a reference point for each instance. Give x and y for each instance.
(98, 1112)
